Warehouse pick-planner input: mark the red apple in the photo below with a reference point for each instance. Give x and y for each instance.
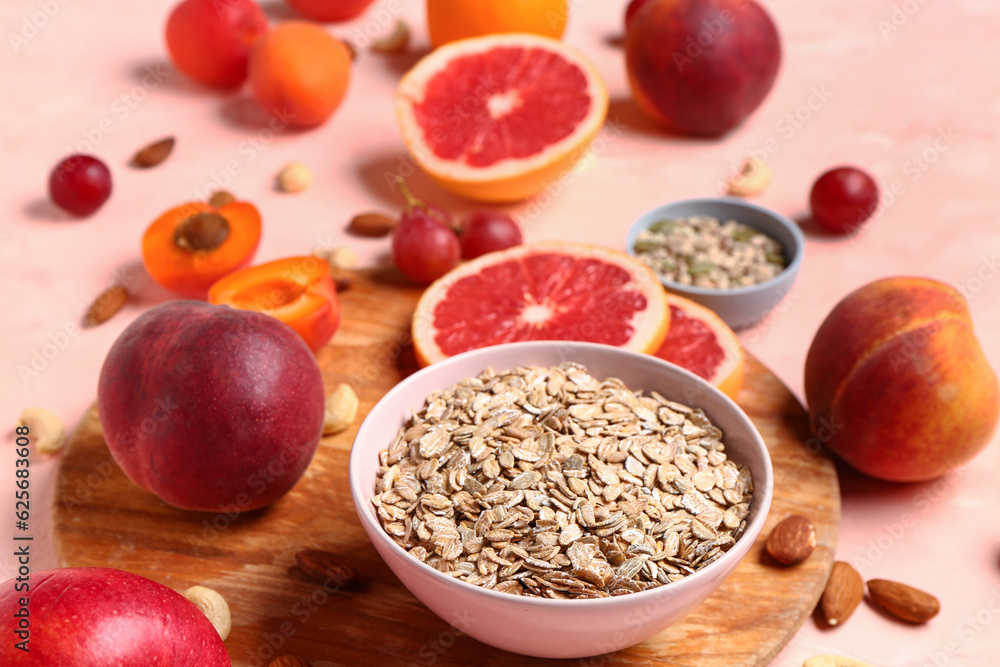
(96, 617)
(701, 67)
(329, 10)
(211, 407)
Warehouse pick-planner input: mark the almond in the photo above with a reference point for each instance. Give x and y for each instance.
(105, 306)
(372, 224)
(330, 568)
(221, 198)
(902, 601)
(154, 153)
(792, 540)
(352, 51)
(844, 591)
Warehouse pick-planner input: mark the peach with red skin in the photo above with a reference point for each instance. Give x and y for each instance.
(95, 617)
(699, 67)
(897, 382)
(210, 40)
(211, 407)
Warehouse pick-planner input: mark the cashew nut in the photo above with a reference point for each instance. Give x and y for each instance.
(754, 177)
(341, 409)
(214, 606)
(45, 429)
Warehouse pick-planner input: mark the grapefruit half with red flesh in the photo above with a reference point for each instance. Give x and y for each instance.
(497, 118)
(701, 342)
(542, 291)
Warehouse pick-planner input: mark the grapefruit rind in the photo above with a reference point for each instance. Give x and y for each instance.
(729, 376)
(649, 325)
(510, 179)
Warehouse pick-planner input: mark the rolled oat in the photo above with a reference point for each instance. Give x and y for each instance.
(548, 482)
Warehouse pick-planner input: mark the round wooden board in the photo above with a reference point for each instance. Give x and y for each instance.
(102, 519)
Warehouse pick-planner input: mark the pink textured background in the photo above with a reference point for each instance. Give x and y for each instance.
(907, 88)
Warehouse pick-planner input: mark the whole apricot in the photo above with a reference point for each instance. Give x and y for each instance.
(299, 73)
(210, 41)
(897, 383)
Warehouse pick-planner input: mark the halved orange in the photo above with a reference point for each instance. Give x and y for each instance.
(703, 344)
(553, 290)
(497, 118)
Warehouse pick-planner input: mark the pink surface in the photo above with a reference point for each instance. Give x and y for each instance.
(907, 88)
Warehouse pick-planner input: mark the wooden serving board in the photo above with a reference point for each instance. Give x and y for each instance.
(102, 519)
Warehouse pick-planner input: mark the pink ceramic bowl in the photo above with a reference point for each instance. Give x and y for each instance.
(538, 626)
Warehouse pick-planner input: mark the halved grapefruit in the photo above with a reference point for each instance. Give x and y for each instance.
(703, 344)
(497, 118)
(543, 291)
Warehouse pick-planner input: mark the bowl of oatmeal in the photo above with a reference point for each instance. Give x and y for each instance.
(738, 258)
(559, 499)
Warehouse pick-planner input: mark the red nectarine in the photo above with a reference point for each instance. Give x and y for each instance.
(211, 407)
(700, 67)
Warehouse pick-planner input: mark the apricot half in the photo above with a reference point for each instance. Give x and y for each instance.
(296, 290)
(897, 382)
(190, 247)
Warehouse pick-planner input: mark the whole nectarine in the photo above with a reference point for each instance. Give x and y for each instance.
(701, 67)
(897, 383)
(211, 407)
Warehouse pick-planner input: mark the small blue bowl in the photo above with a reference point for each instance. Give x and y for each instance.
(739, 307)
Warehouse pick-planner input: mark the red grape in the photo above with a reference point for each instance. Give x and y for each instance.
(843, 198)
(424, 244)
(486, 231)
(424, 248)
(80, 184)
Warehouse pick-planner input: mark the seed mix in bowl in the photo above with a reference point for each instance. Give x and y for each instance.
(548, 482)
(703, 251)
